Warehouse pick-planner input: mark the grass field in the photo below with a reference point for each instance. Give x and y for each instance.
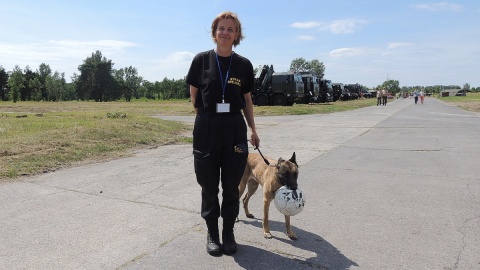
(470, 102)
(38, 137)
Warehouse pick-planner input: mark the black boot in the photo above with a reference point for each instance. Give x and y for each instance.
(213, 238)
(213, 244)
(228, 239)
(229, 244)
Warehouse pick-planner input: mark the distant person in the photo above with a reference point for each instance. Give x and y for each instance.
(379, 97)
(422, 96)
(415, 96)
(384, 97)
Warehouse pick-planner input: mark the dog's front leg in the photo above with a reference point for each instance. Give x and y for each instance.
(290, 232)
(266, 207)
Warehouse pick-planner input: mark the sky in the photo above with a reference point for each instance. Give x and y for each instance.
(418, 43)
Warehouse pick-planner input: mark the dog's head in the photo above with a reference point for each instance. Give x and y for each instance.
(287, 172)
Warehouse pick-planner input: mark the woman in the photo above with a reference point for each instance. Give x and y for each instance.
(415, 96)
(220, 83)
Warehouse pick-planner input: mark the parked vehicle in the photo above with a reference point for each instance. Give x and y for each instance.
(277, 88)
(340, 92)
(354, 90)
(311, 87)
(367, 94)
(326, 91)
(337, 90)
(461, 93)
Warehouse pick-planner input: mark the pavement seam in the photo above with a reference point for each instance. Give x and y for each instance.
(146, 253)
(118, 199)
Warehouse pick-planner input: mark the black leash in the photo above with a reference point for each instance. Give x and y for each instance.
(279, 179)
(264, 159)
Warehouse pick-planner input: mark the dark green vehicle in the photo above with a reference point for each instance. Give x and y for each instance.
(326, 91)
(311, 87)
(277, 88)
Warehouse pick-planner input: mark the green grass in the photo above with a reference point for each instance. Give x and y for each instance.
(470, 102)
(55, 135)
(317, 108)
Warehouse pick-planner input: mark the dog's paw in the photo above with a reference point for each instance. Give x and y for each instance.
(250, 216)
(292, 236)
(267, 235)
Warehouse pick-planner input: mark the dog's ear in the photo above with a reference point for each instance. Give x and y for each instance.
(293, 159)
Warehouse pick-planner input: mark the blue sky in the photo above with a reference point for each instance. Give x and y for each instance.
(366, 42)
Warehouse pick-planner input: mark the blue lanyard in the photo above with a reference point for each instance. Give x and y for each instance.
(224, 84)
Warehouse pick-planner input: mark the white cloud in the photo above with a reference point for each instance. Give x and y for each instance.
(343, 26)
(176, 64)
(60, 55)
(311, 24)
(305, 37)
(347, 52)
(105, 44)
(177, 57)
(394, 45)
(439, 6)
(347, 26)
(55, 50)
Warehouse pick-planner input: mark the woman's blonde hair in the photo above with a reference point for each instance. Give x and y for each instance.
(228, 15)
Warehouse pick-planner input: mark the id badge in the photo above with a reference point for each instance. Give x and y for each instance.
(223, 107)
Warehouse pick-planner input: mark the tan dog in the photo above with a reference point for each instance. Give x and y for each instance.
(271, 178)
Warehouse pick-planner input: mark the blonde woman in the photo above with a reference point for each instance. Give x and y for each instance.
(220, 84)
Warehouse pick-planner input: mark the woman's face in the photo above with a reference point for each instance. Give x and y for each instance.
(226, 32)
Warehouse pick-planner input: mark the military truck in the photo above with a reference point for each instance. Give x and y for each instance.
(339, 92)
(326, 91)
(277, 88)
(355, 90)
(311, 87)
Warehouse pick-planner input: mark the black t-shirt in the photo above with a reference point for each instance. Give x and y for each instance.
(204, 75)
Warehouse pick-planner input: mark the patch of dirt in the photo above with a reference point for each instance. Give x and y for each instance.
(469, 106)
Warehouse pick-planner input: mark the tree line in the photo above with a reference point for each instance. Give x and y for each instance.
(393, 87)
(97, 80)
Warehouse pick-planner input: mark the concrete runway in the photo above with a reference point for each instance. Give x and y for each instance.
(387, 187)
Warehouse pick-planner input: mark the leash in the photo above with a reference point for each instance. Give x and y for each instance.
(264, 159)
(278, 179)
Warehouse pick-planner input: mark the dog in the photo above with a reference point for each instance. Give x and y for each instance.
(271, 178)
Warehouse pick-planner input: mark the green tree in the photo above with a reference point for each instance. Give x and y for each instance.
(148, 89)
(15, 82)
(55, 86)
(70, 93)
(132, 81)
(96, 79)
(43, 71)
(129, 82)
(314, 66)
(104, 88)
(119, 75)
(392, 86)
(3, 84)
(298, 65)
(36, 87)
(26, 91)
(166, 89)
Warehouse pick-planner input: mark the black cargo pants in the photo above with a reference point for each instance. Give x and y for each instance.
(220, 154)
